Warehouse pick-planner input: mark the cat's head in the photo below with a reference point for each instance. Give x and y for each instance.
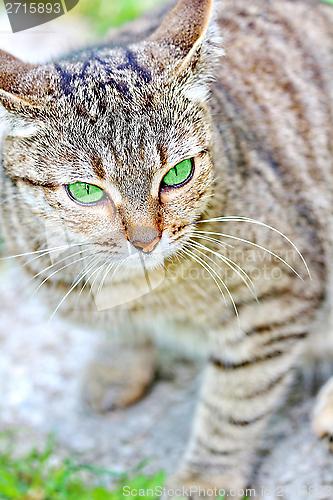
(115, 143)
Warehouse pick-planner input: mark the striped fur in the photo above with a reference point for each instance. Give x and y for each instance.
(120, 116)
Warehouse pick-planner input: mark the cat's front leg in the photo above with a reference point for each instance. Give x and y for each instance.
(119, 375)
(242, 387)
(323, 413)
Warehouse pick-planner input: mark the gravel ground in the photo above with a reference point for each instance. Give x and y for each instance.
(41, 367)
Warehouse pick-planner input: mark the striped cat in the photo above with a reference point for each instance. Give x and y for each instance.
(157, 151)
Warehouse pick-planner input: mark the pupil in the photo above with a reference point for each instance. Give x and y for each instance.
(87, 188)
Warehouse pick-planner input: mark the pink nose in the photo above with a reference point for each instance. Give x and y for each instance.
(144, 238)
(146, 246)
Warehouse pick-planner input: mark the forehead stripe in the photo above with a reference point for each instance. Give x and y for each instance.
(98, 168)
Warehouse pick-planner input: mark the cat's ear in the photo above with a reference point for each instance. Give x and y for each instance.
(189, 37)
(23, 86)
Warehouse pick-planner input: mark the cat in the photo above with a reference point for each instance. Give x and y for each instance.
(159, 151)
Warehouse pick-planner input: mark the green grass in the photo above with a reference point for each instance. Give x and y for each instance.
(104, 14)
(33, 477)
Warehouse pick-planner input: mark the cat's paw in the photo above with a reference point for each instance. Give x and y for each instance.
(208, 487)
(322, 421)
(118, 377)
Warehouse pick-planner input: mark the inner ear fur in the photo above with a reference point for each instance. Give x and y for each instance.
(184, 27)
(22, 85)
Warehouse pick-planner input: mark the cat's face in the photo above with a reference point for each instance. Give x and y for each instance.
(119, 155)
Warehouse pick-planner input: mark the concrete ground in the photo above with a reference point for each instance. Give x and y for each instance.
(41, 367)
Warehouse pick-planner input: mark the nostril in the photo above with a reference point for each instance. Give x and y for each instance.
(146, 246)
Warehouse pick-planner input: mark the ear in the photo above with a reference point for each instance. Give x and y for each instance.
(23, 86)
(189, 35)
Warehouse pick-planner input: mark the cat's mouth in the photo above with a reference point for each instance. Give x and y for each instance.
(150, 256)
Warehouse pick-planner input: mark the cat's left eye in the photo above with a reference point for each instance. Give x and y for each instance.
(85, 193)
(179, 174)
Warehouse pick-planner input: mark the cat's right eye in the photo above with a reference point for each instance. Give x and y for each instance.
(84, 193)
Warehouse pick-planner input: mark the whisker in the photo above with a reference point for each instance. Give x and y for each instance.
(255, 245)
(224, 257)
(234, 218)
(77, 276)
(54, 273)
(237, 269)
(85, 273)
(50, 250)
(108, 269)
(10, 198)
(219, 277)
(120, 263)
(98, 270)
(36, 258)
(58, 262)
(223, 244)
(208, 269)
(47, 253)
(68, 293)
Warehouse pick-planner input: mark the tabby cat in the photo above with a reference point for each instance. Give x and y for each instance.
(158, 151)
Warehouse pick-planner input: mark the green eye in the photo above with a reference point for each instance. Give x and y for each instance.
(179, 173)
(85, 193)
